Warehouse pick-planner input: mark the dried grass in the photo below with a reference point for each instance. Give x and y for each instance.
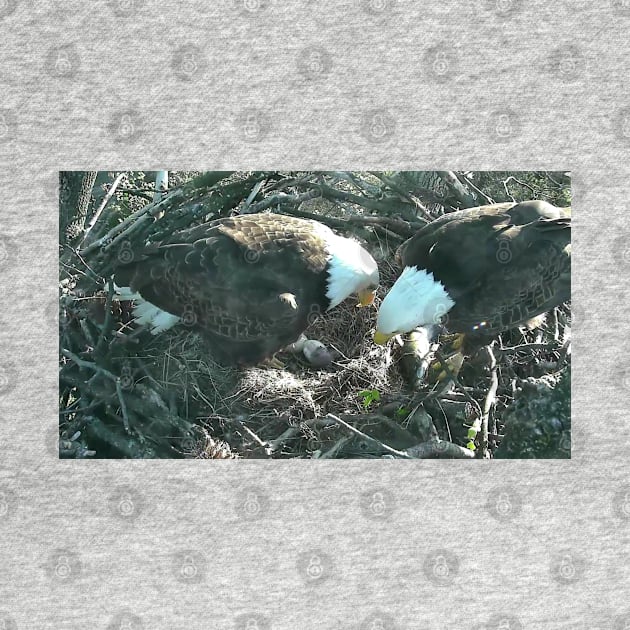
(268, 401)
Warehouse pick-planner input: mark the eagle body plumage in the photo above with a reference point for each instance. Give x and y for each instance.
(484, 269)
(251, 284)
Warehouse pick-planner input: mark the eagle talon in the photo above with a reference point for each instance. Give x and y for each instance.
(273, 364)
(454, 364)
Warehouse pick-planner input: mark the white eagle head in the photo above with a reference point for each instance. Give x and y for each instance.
(416, 299)
(351, 270)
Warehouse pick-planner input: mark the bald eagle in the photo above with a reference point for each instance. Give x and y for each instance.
(251, 284)
(482, 270)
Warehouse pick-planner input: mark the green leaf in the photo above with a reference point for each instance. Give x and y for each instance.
(369, 396)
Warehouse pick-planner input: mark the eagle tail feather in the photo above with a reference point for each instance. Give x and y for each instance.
(145, 313)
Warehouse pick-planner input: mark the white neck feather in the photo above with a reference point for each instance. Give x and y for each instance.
(416, 299)
(351, 268)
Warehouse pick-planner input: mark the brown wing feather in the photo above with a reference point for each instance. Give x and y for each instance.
(535, 279)
(229, 277)
(502, 264)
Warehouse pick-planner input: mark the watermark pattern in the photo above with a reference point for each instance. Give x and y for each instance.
(503, 8)
(566, 567)
(189, 566)
(9, 252)
(126, 8)
(252, 503)
(7, 622)
(63, 61)
(251, 256)
(7, 8)
(8, 504)
(254, 124)
(621, 124)
(622, 621)
(125, 620)
(504, 622)
(622, 7)
(127, 380)
(378, 504)
(64, 565)
(125, 253)
(189, 62)
(125, 126)
(378, 126)
(315, 566)
(504, 503)
(379, 620)
(504, 251)
(314, 313)
(620, 249)
(504, 125)
(189, 316)
(8, 377)
(580, 186)
(8, 125)
(252, 621)
(621, 503)
(567, 63)
(126, 503)
(314, 62)
(440, 63)
(376, 7)
(251, 7)
(441, 567)
(565, 443)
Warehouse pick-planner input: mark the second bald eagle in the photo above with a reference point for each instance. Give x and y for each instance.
(481, 270)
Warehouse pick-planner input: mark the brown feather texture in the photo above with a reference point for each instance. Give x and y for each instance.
(251, 284)
(501, 264)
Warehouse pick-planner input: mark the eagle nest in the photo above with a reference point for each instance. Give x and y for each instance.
(280, 412)
(127, 394)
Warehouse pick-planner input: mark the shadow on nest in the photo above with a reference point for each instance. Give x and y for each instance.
(262, 412)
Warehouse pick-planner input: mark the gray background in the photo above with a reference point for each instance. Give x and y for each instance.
(362, 85)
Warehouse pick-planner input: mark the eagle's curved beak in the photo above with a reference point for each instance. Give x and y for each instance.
(366, 297)
(381, 338)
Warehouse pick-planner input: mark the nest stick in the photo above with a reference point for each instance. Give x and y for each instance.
(364, 436)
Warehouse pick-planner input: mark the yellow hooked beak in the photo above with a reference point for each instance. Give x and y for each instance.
(366, 297)
(381, 338)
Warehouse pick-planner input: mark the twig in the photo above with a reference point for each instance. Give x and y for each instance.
(528, 346)
(490, 401)
(274, 445)
(518, 181)
(564, 351)
(440, 448)
(455, 380)
(364, 436)
(332, 452)
(123, 405)
(132, 221)
(281, 199)
(255, 190)
(99, 210)
(99, 370)
(457, 188)
(251, 434)
(393, 185)
(401, 229)
(108, 317)
(480, 192)
(357, 182)
(88, 365)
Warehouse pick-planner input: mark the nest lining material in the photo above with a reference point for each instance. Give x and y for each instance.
(270, 400)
